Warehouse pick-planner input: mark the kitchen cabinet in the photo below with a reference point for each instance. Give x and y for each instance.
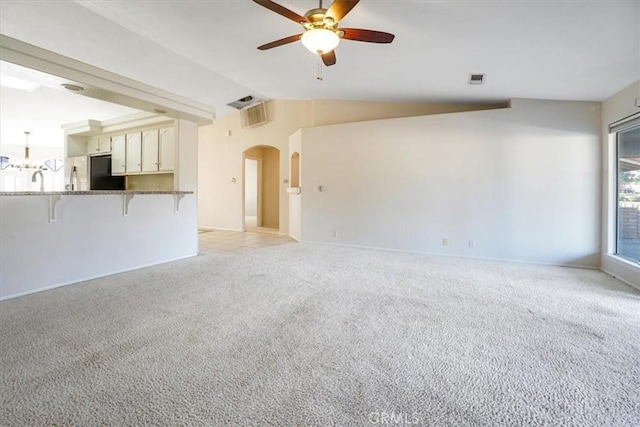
(166, 147)
(150, 151)
(134, 152)
(118, 155)
(99, 145)
(143, 152)
(158, 147)
(137, 146)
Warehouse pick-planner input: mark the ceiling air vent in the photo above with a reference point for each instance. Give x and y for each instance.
(254, 115)
(476, 79)
(244, 102)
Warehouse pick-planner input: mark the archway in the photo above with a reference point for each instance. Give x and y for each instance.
(261, 188)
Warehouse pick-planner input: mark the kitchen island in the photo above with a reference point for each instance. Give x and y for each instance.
(54, 238)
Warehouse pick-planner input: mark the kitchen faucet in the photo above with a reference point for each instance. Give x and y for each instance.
(34, 178)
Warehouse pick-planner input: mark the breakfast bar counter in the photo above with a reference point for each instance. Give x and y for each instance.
(54, 238)
(90, 193)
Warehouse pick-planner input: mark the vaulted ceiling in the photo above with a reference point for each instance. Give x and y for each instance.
(206, 50)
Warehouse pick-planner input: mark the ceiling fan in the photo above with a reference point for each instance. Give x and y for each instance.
(321, 33)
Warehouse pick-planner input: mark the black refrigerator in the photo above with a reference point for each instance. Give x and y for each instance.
(100, 174)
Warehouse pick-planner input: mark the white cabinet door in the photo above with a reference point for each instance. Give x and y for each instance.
(150, 151)
(99, 145)
(134, 152)
(166, 150)
(93, 146)
(104, 145)
(118, 155)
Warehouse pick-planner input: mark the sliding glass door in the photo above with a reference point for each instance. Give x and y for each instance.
(628, 193)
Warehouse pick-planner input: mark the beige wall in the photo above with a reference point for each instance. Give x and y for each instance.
(220, 162)
(151, 182)
(220, 199)
(327, 112)
(270, 187)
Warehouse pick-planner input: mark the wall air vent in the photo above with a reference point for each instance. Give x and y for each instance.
(476, 79)
(254, 115)
(244, 102)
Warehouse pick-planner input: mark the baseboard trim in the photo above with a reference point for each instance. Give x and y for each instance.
(622, 279)
(517, 261)
(239, 230)
(622, 269)
(86, 279)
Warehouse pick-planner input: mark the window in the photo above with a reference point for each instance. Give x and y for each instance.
(628, 192)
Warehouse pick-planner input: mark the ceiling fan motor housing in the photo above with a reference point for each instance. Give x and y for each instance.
(316, 19)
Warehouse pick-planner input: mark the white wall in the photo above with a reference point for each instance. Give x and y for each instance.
(617, 107)
(91, 238)
(521, 183)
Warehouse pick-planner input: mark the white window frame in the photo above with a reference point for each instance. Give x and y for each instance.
(622, 268)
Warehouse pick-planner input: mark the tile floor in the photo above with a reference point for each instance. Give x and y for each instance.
(237, 241)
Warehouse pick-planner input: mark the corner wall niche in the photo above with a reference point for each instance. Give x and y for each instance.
(294, 167)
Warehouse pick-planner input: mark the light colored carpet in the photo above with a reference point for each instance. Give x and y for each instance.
(314, 335)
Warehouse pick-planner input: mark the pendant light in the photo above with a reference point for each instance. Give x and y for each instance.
(26, 146)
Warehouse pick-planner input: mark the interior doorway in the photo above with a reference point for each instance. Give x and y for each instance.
(251, 199)
(261, 189)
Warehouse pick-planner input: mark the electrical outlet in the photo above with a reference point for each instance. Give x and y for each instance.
(335, 234)
(445, 242)
(472, 244)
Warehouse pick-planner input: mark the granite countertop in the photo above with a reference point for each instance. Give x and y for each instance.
(89, 193)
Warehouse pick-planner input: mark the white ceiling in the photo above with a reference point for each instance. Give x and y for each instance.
(205, 50)
(556, 49)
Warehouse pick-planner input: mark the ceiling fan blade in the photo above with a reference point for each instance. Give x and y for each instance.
(366, 35)
(340, 8)
(329, 58)
(280, 42)
(281, 10)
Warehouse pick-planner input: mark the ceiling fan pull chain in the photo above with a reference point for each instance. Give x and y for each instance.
(319, 76)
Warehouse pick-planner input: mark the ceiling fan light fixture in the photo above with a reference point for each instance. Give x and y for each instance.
(320, 40)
